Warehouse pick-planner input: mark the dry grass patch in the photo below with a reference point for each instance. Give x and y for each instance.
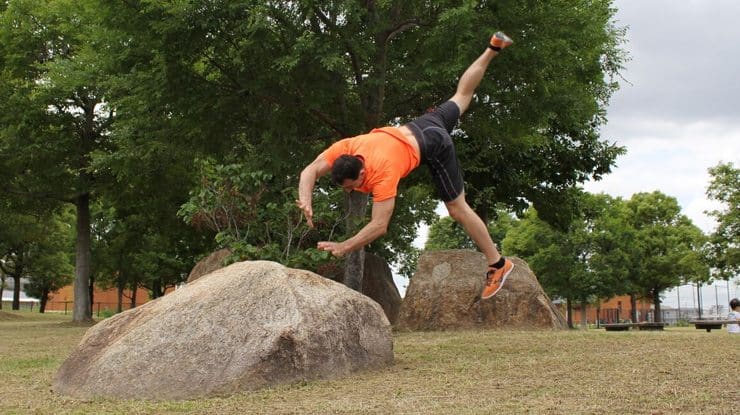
(6, 316)
(470, 372)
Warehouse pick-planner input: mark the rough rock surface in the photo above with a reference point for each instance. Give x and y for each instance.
(243, 327)
(377, 280)
(445, 294)
(209, 264)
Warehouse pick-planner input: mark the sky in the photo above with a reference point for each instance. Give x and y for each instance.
(677, 111)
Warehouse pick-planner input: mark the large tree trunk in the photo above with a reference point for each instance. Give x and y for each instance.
(121, 286)
(43, 300)
(81, 311)
(633, 304)
(584, 319)
(481, 211)
(134, 290)
(658, 318)
(16, 290)
(156, 288)
(569, 312)
(91, 292)
(354, 265)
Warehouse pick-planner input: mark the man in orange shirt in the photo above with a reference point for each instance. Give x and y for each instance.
(376, 162)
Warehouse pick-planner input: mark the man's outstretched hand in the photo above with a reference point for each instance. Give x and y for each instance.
(307, 211)
(336, 248)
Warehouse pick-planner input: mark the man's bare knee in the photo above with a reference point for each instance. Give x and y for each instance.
(458, 208)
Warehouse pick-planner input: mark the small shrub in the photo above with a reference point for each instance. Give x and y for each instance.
(106, 313)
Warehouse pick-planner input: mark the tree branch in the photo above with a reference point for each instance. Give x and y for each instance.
(400, 28)
(350, 50)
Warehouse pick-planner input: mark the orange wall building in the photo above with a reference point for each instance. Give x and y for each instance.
(103, 300)
(614, 310)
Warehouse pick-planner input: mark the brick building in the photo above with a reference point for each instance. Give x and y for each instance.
(614, 310)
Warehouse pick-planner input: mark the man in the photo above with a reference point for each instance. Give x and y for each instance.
(375, 162)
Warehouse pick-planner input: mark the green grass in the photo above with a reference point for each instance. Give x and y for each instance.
(681, 370)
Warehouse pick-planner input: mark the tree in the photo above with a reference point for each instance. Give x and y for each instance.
(445, 233)
(50, 266)
(613, 238)
(34, 245)
(18, 233)
(248, 79)
(581, 263)
(139, 240)
(53, 116)
(724, 242)
(667, 246)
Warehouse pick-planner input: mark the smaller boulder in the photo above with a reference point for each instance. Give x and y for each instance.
(444, 293)
(209, 264)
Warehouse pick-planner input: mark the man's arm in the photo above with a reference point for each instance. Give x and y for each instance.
(378, 226)
(309, 175)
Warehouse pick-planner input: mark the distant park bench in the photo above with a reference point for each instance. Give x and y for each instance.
(627, 326)
(712, 324)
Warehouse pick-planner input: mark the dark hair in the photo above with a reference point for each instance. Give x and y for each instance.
(346, 167)
(734, 303)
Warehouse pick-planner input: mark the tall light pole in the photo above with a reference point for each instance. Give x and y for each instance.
(698, 296)
(678, 296)
(716, 299)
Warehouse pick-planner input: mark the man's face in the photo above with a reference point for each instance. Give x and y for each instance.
(350, 185)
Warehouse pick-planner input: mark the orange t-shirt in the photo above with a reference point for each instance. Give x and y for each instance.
(388, 157)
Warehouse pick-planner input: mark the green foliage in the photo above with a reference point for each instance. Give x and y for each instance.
(254, 214)
(106, 314)
(275, 83)
(533, 134)
(138, 241)
(723, 249)
(642, 246)
(557, 258)
(50, 264)
(54, 118)
(445, 233)
(118, 100)
(666, 247)
(36, 245)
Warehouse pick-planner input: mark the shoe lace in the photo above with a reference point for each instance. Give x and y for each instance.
(490, 274)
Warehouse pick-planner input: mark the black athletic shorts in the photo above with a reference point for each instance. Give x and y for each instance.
(432, 131)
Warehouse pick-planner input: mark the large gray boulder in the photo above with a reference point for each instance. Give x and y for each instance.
(243, 327)
(444, 293)
(377, 280)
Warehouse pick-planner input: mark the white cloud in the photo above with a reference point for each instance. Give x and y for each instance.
(677, 112)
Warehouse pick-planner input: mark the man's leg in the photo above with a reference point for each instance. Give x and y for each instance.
(472, 76)
(463, 214)
(499, 268)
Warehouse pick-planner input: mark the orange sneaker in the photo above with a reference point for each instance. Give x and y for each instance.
(499, 40)
(495, 279)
